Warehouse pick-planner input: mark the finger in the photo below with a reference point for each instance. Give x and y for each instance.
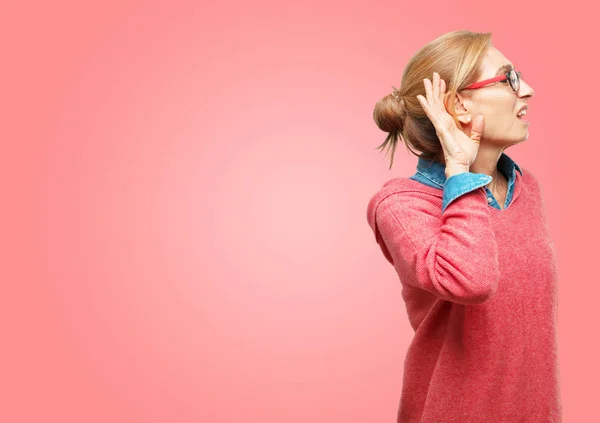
(442, 90)
(429, 111)
(423, 103)
(436, 86)
(443, 94)
(477, 128)
(428, 90)
(425, 106)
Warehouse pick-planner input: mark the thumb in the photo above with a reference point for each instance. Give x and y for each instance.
(477, 128)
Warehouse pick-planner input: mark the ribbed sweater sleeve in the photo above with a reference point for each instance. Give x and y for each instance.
(453, 255)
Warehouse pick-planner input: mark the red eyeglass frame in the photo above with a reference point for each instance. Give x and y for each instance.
(498, 78)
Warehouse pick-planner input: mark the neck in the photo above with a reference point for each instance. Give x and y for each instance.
(487, 162)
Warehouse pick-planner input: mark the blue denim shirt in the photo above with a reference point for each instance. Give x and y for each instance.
(433, 174)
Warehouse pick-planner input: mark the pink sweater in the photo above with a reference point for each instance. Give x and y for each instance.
(480, 289)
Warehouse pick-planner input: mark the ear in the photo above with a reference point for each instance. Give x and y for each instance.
(462, 105)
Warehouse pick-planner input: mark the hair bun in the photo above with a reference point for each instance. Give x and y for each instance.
(390, 112)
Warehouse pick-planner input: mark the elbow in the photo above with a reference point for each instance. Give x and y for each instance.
(483, 295)
(482, 288)
(468, 288)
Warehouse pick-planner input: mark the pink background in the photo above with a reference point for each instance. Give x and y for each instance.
(184, 204)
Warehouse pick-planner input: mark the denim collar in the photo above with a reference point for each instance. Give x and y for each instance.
(436, 172)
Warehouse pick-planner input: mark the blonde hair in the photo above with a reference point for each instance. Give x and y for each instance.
(456, 56)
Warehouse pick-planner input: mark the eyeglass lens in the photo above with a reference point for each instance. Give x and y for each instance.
(513, 78)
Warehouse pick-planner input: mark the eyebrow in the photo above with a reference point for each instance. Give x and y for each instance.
(504, 69)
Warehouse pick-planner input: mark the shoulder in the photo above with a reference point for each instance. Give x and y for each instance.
(404, 210)
(405, 204)
(404, 193)
(404, 199)
(527, 174)
(530, 180)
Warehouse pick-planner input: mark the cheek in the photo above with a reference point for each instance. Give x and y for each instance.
(499, 112)
(503, 112)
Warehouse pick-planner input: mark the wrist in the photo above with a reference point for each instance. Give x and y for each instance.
(455, 170)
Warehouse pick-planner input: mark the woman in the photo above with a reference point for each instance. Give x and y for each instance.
(468, 238)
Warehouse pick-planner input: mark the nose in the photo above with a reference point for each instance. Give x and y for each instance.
(525, 89)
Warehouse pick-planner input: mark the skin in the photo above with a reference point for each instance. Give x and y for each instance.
(499, 104)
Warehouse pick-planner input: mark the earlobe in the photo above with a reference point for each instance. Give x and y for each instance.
(463, 114)
(464, 118)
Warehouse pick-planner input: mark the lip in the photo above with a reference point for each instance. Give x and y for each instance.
(525, 107)
(522, 118)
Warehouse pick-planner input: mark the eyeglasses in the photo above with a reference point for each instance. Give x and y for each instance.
(513, 77)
